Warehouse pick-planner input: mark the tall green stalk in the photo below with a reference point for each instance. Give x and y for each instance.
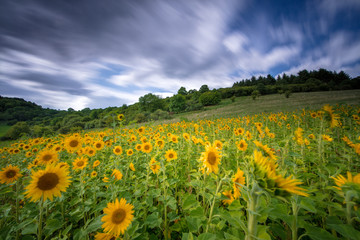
(252, 215)
(212, 205)
(295, 211)
(41, 204)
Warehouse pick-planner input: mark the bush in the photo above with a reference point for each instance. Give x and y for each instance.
(18, 130)
(193, 105)
(210, 98)
(140, 117)
(255, 94)
(40, 131)
(159, 114)
(287, 93)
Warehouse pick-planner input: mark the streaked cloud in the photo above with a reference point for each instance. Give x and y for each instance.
(63, 54)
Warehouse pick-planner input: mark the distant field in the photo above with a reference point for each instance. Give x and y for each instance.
(274, 103)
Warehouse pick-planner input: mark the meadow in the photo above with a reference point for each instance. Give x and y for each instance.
(292, 174)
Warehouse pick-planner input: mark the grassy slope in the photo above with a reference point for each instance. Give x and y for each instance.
(3, 129)
(274, 103)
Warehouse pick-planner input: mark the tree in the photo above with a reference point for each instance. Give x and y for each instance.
(182, 91)
(150, 103)
(204, 88)
(210, 98)
(177, 103)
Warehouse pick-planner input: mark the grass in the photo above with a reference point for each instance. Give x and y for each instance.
(3, 129)
(274, 103)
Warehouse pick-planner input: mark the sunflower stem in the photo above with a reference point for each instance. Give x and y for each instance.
(212, 205)
(295, 210)
(349, 206)
(17, 208)
(165, 205)
(252, 221)
(41, 204)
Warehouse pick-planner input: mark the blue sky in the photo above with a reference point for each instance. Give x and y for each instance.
(97, 54)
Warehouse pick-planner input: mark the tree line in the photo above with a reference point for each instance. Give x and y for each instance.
(30, 119)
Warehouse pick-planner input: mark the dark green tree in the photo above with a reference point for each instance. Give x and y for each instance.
(182, 91)
(177, 103)
(204, 88)
(150, 103)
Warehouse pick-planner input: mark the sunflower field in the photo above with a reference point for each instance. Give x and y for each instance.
(286, 175)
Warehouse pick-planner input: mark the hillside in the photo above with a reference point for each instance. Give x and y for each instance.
(261, 94)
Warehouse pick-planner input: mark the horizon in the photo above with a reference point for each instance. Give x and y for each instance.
(79, 55)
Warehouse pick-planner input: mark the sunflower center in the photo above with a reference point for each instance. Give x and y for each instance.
(146, 147)
(98, 145)
(117, 150)
(47, 157)
(171, 155)
(80, 163)
(48, 181)
(118, 216)
(10, 174)
(211, 158)
(74, 143)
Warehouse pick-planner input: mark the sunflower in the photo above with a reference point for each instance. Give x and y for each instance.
(138, 147)
(98, 145)
(141, 130)
(131, 166)
(238, 180)
(211, 158)
(174, 138)
(340, 180)
(248, 135)
(160, 143)
(47, 156)
(311, 136)
(117, 150)
(104, 236)
(129, 152)
(289, 184)
(327, 138)
(120, 117)
(96, 163)
(72, 143)
(264, 164)
(117, 174)
(146, 147)
(154, 166)
(28, 154)
(229, 195)
(218, 144)
(64, 165)
(242, 145)
(118, 216)
(313, 114)
(90, 151)
(48, 183)
(268, 152)
(170, 155)
(93, 174)
(80, 163)
(9, 174)
(186, 136)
